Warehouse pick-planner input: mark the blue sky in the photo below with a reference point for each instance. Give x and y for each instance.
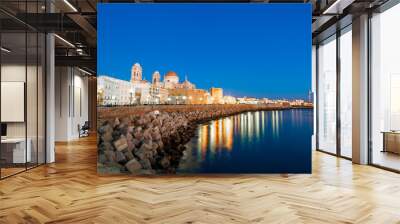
(258, 50)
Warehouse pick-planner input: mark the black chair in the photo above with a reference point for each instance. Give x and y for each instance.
(84, 130)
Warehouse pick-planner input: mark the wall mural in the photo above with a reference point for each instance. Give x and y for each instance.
(204, 88)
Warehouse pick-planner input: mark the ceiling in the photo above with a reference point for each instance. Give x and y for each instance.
(75, 21)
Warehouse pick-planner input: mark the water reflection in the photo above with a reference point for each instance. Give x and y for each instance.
(242, 141)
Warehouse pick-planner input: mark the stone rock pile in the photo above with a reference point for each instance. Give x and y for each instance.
(144, 144)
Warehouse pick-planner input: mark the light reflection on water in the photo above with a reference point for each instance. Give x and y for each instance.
(252, 142)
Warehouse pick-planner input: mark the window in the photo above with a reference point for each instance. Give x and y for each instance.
(327, 95)
(385, 89)
(22, 65)
(346, 92)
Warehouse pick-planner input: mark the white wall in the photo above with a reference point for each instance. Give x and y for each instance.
(71, 102)
(61, 103)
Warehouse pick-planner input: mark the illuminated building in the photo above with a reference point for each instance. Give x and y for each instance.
(297, 103)
(265, 101)
(156, 79)
(112, 91)
(217, 95)
(158, 94)
(188, 96)
(141, 87)
(171, 79)
(229, 100)
(247, 100)
(136, 72)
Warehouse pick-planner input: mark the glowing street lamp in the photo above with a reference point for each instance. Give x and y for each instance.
(131, 95)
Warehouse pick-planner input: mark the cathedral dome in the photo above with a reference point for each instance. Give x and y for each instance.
(171, 74)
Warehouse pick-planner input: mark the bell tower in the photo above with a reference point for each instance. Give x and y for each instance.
(156, 77)
(136, 72)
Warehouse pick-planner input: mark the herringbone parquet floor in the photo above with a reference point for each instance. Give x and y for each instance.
(70, 191)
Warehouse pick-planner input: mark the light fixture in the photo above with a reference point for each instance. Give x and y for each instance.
(64, 40)
(337, 7)
(5, 50)
(79, 51)
(84, 71)
(70, 5)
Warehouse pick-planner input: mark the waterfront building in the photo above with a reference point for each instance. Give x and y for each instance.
(188, 96)
(229, 100)
(284, 103)
(248, 100)
(141, 91)
(217, 95)
(265, 101)
(297, 103)
(186, 84)
(112, 91)
(158, 94)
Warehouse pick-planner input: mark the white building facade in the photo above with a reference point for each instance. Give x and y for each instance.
(112, 91)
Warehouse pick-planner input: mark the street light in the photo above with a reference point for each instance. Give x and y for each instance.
(131, 96)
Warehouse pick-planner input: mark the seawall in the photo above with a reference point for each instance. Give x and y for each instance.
(109, 113)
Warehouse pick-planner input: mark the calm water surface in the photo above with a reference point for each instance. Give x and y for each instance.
(252, 142)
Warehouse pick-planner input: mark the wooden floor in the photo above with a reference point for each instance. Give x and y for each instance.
(387, 159)
(70, 191)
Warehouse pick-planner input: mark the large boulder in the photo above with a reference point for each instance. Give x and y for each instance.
(110, 156)
(133, 166)
(145, 164)
(129, 155)
(120, 157)
(165, 162)
(121, 144)
(107, 136)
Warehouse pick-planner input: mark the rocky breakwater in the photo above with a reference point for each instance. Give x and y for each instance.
(153, 141)
(145, 144)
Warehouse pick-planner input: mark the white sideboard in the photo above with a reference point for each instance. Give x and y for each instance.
(18, 146)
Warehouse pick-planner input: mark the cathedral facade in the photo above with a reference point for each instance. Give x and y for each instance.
(166, 89)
